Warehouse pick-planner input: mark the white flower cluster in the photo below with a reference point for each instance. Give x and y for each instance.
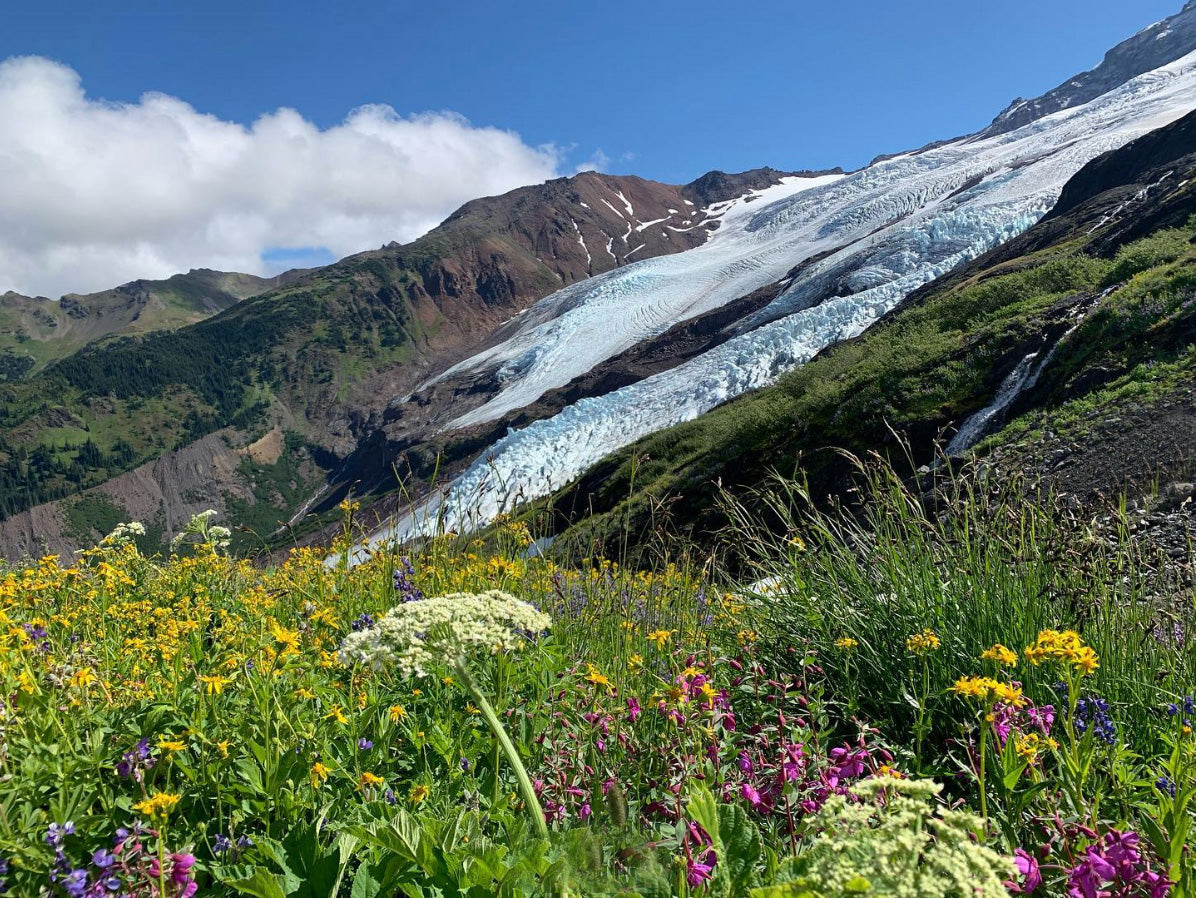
(124, 534)
(417, 637)
(205, 532)
(906, 846)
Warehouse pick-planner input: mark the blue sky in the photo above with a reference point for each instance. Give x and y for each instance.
(665, 89)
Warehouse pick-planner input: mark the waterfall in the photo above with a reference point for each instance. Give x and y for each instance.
(1021, 378)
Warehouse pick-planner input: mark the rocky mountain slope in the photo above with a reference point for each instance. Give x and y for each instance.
(321, 355)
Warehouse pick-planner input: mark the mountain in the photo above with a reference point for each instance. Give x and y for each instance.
(826, 261)
(35, 331)
(319, 356)
(1149, 49)
(1066, 358)
(532, 335)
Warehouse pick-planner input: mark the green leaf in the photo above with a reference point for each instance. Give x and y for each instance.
(364, 884)
(740, 848)
(256, 881)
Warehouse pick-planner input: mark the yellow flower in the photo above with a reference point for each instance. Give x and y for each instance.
(213, 685)
(1030, 745)
(288, 639)
(886, 770)
(660, 637)
(1000, 655)
(158, 806)
(397, 713)
(746, 637)
(598, 678)
(82, 678)
(419, 793)
(338, 714)
(979, 688)
(635, 662)
(171, 745)
(922, 643)
(986, 689)
(369, 779)
(319, 773)
(1085, 661)
(846, 643)
(1066, 647)
(304, 692)
(222, 747)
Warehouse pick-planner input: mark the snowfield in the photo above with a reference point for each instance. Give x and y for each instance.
(886, 230)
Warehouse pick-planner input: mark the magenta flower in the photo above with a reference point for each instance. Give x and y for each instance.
(1027, 868)
(633, 709)
(699, 871)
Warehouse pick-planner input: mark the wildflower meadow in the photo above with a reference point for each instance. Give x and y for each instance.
(891, 701)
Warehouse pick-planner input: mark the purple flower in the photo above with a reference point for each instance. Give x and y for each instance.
(75, 883)
(103, 859)
(699, 870)
(364, 744)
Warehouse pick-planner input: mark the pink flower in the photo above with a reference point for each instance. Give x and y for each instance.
(750, 794)
(633, 709)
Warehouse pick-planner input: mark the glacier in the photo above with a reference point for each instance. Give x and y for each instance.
(879, 233)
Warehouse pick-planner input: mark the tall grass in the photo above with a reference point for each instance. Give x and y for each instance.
(976, 562)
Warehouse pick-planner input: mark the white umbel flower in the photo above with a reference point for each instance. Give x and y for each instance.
(417, 637)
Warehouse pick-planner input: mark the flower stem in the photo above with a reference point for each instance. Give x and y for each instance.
(508, 747)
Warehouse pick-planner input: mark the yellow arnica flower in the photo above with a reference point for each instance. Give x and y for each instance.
(157, 807)
(922, 643)
(419, 793)
(213, 685)
(397, 713)
(82, 678)
(596, 677)
(319, 773)
(886, 770)
(845, 643)
(370, 779)
(222, 747)
(1000, 655)
(635, 662)
(660, 637)
(337, 713)
(289, 639)
(171, 744)
(304, 692)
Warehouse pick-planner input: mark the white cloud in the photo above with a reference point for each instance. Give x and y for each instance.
(598, 162)
(93, 194)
